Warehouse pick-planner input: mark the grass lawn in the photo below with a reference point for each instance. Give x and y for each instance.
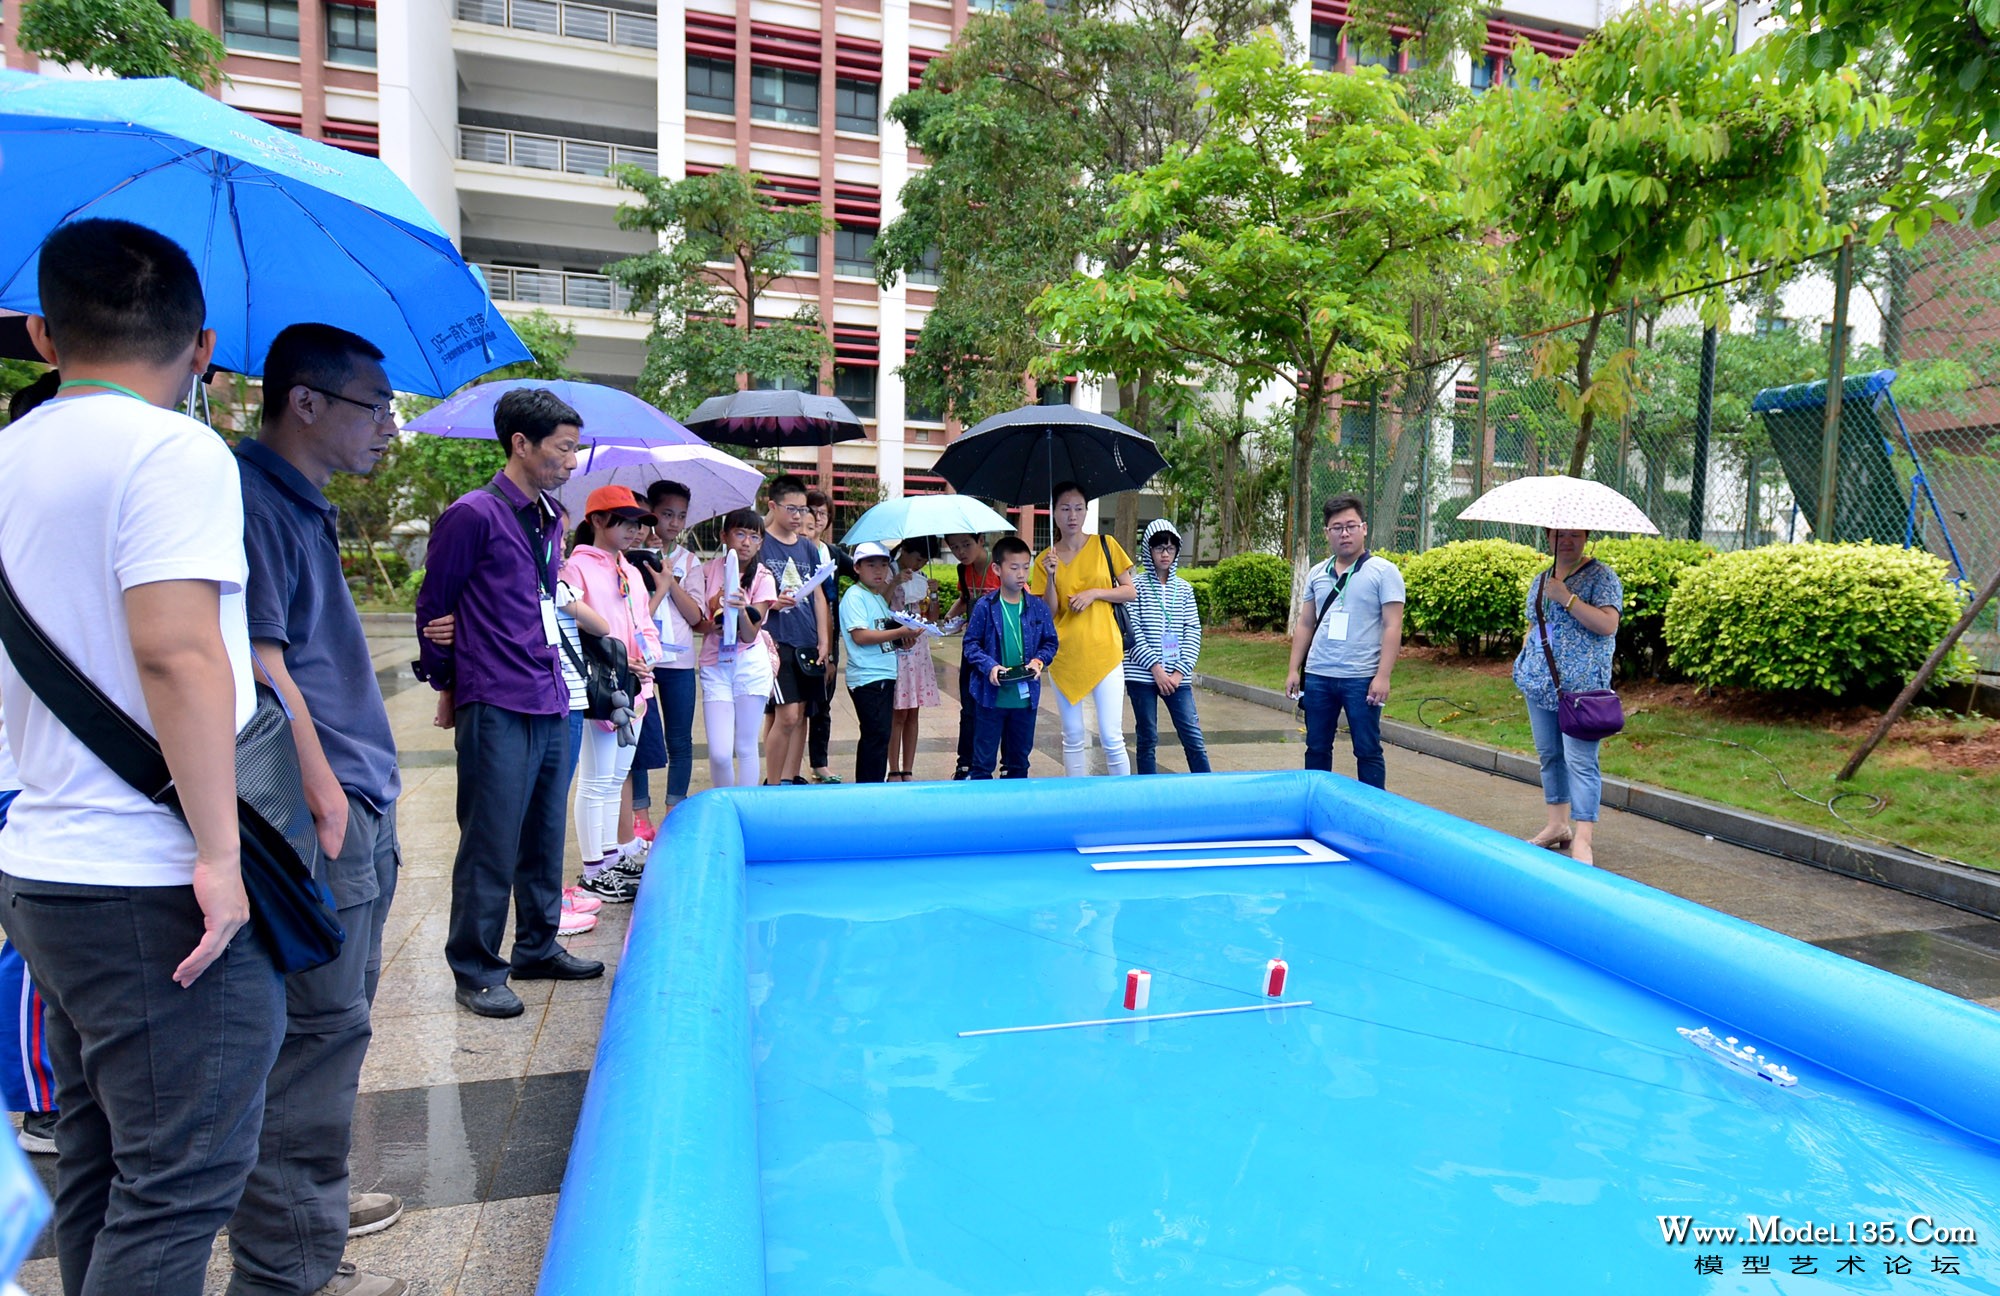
(1938, 777)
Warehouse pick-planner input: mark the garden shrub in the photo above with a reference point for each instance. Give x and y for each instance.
(1204, 596)
(1470, 592)
(1840, 621)
(1253, 588)
(1648, 569)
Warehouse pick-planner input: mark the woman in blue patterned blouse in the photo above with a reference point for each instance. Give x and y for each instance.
(1581, 599)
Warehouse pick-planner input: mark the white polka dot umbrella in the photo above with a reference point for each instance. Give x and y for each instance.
(1561, 504)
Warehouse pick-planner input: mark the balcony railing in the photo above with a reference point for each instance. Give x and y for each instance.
(534, 287)
(551, 152)
(562, 18)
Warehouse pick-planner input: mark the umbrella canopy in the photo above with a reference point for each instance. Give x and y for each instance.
(1019, 456)
(717, 482)
(1559, 504)
(610, 416)
(775, 418)
(283, 230)
(924, 515)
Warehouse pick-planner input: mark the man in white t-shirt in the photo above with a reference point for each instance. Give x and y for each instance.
(121, 529)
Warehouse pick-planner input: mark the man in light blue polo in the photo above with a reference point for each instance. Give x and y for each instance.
(1345, 640)
(326, 410)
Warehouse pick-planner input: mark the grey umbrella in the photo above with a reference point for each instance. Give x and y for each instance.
(774, 418)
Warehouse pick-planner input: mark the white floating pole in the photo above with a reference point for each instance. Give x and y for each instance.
(1118, 1021)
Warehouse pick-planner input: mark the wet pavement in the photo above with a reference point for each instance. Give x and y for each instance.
(470, 1119)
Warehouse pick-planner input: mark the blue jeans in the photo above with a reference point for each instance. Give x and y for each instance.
(575, 749)
(1325, 697)
(667, 740)
(1146, 719)
(1569, 766)
(1005, 732)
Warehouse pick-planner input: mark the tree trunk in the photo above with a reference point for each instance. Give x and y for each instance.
(1298, 523)
(1581, 450)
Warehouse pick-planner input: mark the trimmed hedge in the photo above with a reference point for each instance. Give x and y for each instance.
(1839, 621)
(1470, 593)
(1204, 596)
(1648, 569)
(1253, 588)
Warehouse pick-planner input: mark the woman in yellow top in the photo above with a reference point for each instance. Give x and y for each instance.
(1080, 576)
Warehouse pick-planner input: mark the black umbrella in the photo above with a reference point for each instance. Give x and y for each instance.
(774, 418)
(1018, 457)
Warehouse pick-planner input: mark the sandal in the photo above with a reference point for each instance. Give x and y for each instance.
(899, 776)
(1557, 843)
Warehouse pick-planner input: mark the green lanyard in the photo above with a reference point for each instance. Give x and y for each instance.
(99, 382)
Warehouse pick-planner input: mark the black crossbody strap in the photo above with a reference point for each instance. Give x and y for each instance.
(1340, 584)
(1541, 623)
(82, 708)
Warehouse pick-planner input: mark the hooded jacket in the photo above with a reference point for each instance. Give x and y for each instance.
(1161, 606)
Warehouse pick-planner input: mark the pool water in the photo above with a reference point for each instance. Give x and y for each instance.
(1460, 1108)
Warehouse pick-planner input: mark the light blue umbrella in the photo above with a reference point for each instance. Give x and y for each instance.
(283, 230)
(610, 416)
(925, 515)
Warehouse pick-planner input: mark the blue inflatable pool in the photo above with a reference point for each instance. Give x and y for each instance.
(875, 1040)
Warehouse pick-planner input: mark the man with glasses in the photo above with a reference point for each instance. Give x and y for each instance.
(1346, 639)
(326, 410)
(491, 568)
(801, 630)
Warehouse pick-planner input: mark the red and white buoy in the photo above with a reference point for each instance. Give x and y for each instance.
(1138, 989)
(1274, 978)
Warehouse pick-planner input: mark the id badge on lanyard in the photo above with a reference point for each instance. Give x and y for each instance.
(550, 630)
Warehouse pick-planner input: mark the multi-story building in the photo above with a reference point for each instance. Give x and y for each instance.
(506, 116)
(307, 66)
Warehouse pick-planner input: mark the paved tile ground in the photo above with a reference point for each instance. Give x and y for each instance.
(470, 1119)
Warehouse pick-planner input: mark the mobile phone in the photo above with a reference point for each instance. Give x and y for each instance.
(1014, 674)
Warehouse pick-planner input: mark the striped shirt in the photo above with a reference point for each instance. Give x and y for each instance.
(1163, 616)
(566, 624)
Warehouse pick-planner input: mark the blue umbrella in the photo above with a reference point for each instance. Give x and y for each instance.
(283, 230)
(610, 416)
(925, 515)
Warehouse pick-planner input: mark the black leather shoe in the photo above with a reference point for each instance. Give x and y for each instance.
(560, 966)
(491, 1001)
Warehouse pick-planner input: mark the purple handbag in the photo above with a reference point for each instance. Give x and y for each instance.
(1589, 716)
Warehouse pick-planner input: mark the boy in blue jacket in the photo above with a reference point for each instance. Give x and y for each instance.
(1009, 642)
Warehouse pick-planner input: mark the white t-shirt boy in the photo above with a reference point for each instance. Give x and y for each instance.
(99, 494)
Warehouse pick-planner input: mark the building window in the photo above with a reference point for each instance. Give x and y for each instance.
(805, 253)
(857, 106)
(265, 26)
(930, 270)
(1054, 393)
(855, 386)
(1485, 71)
(915, 411)
(712, 86)
(350, 34)
(854, 252)
(1374, 58)
(1357, 428)
(1465, 432)
(1325, 45)
(1769, 324)
(784, 95)
(783, 384)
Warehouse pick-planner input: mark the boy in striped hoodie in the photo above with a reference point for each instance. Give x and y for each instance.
(1166, 641)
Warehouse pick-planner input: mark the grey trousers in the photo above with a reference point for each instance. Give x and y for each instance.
(288, 1233)
(161, 1089)
(512, 776)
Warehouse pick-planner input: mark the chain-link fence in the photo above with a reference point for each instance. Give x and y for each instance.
(1728, 436)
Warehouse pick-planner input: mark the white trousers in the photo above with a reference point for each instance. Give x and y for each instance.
(601, 768)
(733, 725)
(1108, 696)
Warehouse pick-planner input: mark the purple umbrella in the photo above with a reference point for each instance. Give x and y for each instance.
(610, 416)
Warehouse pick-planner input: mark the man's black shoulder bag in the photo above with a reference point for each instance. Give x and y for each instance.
(291, 911)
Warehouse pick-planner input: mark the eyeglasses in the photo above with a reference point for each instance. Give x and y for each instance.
(796, 510)
(379, 413)
(1345, 528)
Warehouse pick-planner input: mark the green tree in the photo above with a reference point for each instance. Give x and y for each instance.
(1949, 53)
(1027, 121)
(722, 246)
(127, 38)
(1433, 33)
(1279, 247)
(1654, 159)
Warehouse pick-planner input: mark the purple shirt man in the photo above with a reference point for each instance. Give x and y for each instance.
(491, 571)
(481, 570)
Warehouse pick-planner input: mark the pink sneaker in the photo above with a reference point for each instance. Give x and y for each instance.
(575, 924)
(578, 901)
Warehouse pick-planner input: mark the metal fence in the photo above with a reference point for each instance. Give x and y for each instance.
(1727, 435)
